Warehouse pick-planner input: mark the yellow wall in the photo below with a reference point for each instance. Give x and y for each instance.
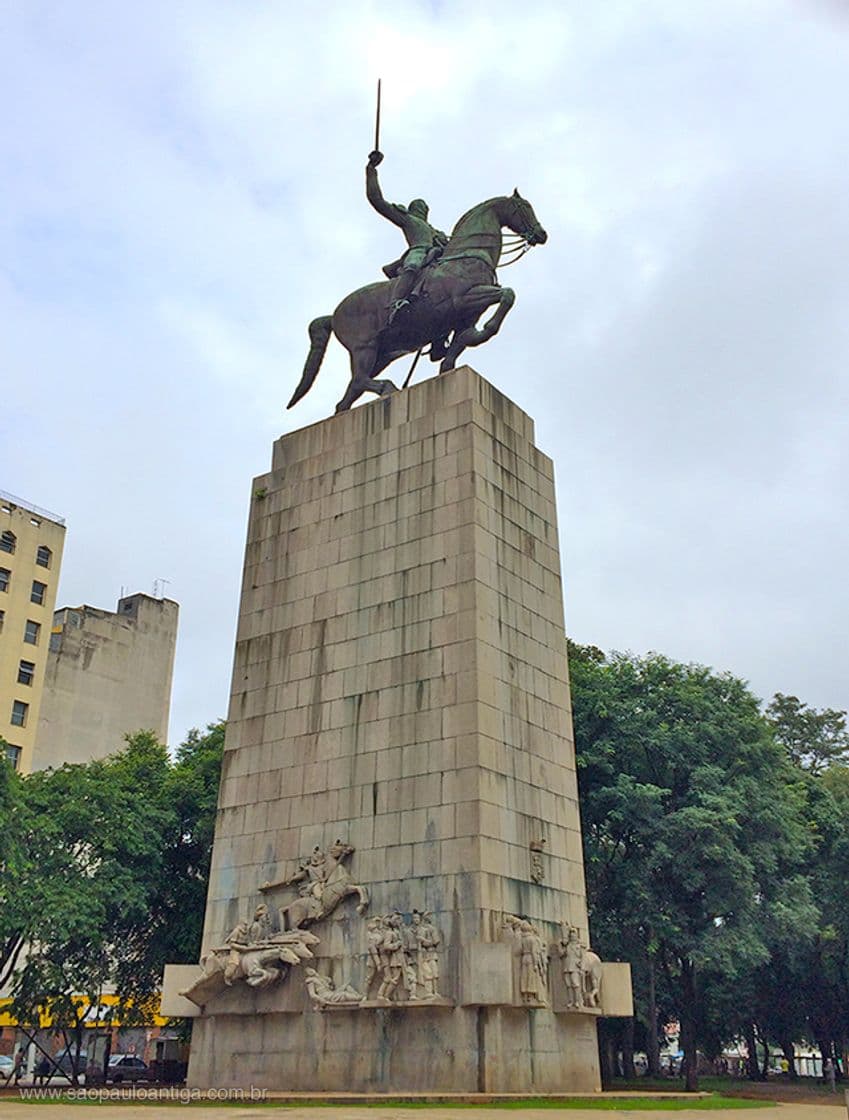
(32, 528)
(107, 1000)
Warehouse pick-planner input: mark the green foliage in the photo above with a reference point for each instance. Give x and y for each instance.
(695, 833)
(11, 943)
(813, 739)
(101, 860)
(802, 991)
(190, 791)
(827, 959)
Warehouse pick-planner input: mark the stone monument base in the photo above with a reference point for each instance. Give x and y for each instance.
(400, 1050)
(399, 772)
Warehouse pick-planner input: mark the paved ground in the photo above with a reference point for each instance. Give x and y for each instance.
(11, 1109)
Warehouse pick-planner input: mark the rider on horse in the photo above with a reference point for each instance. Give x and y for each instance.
(312, 874)
(424, 241)
(461, 286)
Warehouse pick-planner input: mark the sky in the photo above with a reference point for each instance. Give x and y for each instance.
(182, 192)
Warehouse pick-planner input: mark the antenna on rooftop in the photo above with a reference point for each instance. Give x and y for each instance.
(159, 585)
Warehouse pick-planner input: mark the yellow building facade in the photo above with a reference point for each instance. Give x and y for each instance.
(31, 544)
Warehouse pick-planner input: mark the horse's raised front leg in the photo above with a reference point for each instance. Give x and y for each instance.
(438, 348)
(362, 905)
(363, 363)
(476, 301)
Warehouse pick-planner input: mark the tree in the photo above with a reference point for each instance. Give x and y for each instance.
(191, 792)
(11, 943)
(827, 976)
(101, 859)
(90, 839)
(693, 832)
(813, 739)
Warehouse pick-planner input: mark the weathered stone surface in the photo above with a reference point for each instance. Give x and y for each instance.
(617, 998)
(400, 681)
(486, 973)
(177, 978)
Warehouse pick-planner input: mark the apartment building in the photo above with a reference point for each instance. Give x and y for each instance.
(31, 544)
(108, 674)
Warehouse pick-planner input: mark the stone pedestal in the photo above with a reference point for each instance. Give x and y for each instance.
(400, 684)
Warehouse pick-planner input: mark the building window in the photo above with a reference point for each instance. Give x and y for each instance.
(5, 577)
(43, 556)
(2, 620)
(8, 541)
(13, 756)
(32, 632)
(39, 590)
(26, 672)
(20, 711)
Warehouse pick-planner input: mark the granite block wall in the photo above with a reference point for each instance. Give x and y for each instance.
(400, 683)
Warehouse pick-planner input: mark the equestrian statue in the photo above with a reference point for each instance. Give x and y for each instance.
(323, 881)
(435, 294)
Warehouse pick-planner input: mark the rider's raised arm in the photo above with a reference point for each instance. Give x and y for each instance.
(375, 196)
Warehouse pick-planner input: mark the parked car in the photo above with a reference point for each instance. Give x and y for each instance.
(66, 1062)
(7, 1068)
(126, 1067)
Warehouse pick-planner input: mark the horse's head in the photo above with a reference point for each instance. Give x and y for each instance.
(339, 851)
(518, 214)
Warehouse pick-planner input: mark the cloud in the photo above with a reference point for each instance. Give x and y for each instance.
(184, 193)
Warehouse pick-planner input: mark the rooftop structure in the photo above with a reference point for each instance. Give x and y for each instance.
(108, 675)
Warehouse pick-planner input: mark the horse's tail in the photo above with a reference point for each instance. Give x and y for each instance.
(320, 330)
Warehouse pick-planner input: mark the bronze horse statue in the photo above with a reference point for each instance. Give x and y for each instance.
(451, 295)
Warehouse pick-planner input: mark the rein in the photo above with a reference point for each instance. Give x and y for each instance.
(472, 254)
(518, 244)
(519, 247)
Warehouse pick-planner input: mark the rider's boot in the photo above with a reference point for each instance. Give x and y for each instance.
(394, 308)
(401, 292)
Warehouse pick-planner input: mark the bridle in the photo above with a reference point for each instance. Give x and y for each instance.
(516, 246)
